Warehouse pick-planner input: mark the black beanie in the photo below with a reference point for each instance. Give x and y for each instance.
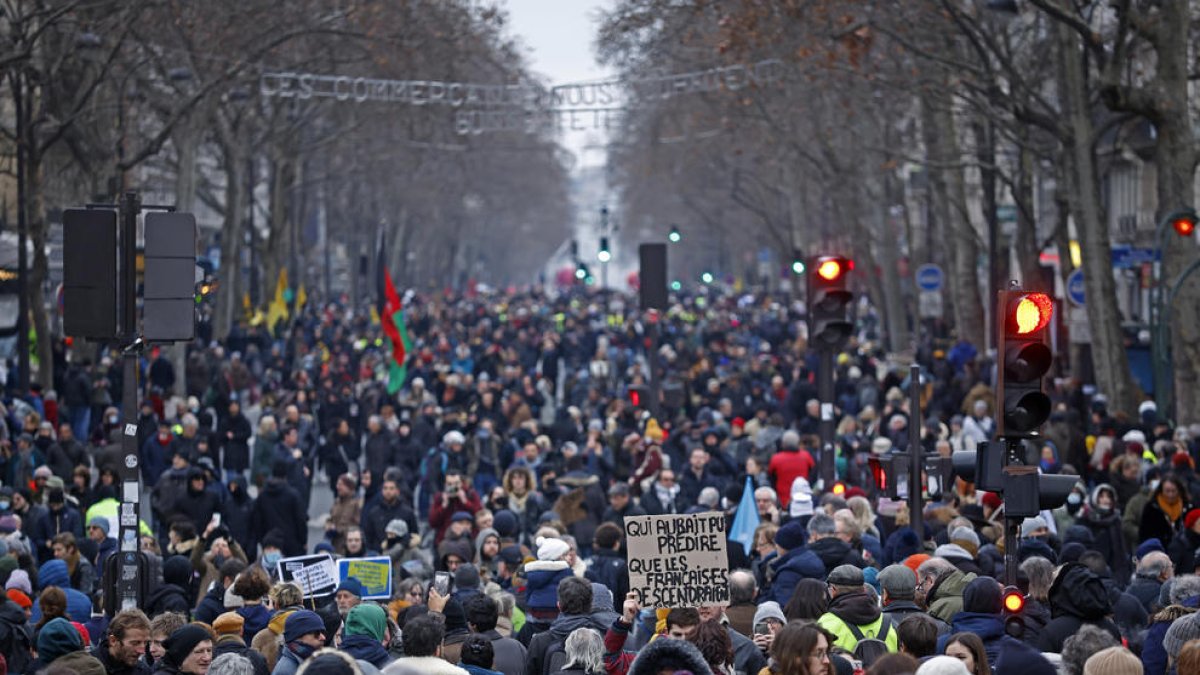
(181, 643)
(982, 596)
(177, 570)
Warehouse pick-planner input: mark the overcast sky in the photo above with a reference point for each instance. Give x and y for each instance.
(558, 36)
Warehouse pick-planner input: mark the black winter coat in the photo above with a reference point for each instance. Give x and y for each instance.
(1077, 597)
(197, 507)
(833, 552)
(380, 450)
(1182, 550)
(1156, 524)
(608, 568)
(277, 507)
(167, 598)
(237, 446)
(1106, 531)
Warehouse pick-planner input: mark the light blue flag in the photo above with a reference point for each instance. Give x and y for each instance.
(746, 521)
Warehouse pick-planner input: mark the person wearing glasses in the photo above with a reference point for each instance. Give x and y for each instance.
(664, 496)
(801, 649)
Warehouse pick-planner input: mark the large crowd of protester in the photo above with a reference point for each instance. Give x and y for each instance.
(497, 478)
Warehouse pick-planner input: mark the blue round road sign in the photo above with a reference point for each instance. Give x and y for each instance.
(1075, 287)
(929, 277)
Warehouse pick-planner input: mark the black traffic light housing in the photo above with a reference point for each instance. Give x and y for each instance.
(90, 273)
(829, 300)
(639, 396)
(1025, 360)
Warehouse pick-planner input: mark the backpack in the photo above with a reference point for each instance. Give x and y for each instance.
(16, 644)
(555, 659)
(885, 627)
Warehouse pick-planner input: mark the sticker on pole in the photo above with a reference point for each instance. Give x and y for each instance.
(131, 430)
(375, 575)
(314, 574)
(678, 561)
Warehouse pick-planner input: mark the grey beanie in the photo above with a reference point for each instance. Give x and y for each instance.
(1182, 630)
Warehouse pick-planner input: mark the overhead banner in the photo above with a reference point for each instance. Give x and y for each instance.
(678, 561)
(314, 574)
(375, 575)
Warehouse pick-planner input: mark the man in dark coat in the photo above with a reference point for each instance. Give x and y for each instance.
(233, 434)
(172, 595)
(379, 448)
(620, 505)
(59, 518)
(1077, 597)
(388, 507)
(279, 507)
(826, 542)
(793, 563)
(607, 565)
(199, 505)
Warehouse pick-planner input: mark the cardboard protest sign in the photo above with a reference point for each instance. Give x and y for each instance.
(315, 574)
(375, 575)
(678, 561)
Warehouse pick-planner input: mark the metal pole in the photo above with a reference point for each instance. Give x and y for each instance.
(128, 575)
(916, 459)
(23, 364)
(1012, 530)
(825, 396)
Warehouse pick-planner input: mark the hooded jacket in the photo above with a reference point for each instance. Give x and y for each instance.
(959, 557)
(989, 628)
(1105, 526)
(54, 573)
(669, 655)
(541, 582)
(945, 598)
(276, 507)
(560, 628)
(798, 563)
(856, 609)
(1077, 597)
(833, 552)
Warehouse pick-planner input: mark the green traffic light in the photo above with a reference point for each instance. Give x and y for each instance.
(674, 236)
(676, 286)
(707, 277)
(798, 266)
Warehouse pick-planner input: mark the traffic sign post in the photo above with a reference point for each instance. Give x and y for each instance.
(1076, 292)
(930, 277)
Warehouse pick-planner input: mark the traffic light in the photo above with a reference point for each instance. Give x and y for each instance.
(605, 254)
(90, 273)
(1014, 606)
(639, 395)
(982, 466)
(1184, 223)
(581, 271)
(169, 291)
(883, 471)
(798, 265)
(674, 236)
(1026, 359)
(829, 301)
(1027, 492)
(707, 277)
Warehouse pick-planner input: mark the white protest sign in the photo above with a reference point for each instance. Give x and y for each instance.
(315, 574)
(679, 561)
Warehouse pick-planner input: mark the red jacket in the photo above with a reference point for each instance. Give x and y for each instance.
(439, 516)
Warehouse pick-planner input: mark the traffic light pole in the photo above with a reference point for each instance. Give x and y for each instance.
(126, 581)
(916, 456)
(827, 427)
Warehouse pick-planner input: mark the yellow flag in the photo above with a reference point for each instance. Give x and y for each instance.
(301, 297)
(278, 309)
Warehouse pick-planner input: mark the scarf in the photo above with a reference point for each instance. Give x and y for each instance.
(1173, 511)
(666, 496)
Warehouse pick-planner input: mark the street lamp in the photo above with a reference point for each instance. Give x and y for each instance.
(674, 236)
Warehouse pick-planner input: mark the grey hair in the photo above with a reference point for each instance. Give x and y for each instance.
(1153, 564)
(507, 602)
(1185, 586)
(741, 586)
(848, 521)
(935, 566)
(231, 664)
(1041, 576)
(767, 491)
(585, 650)
(822, 524)
(709, 497)
(1087, 641)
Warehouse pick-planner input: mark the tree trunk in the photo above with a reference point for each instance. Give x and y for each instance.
(1027, 246)
(229, 301)
(1108, 349)
(39, 226)
(949, 198)
(185, 200)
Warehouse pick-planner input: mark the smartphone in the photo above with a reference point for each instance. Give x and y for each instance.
(441, 583)
(761, 628)
(216, 520)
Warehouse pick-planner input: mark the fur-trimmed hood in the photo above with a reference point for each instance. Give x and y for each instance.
(667, 654)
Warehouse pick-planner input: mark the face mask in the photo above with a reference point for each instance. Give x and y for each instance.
(271, 559)
(113, 419)
(302, 650)
(4, 505)
(1074, 498)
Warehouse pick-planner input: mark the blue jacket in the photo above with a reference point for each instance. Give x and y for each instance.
(541, 587)
(989, 628)
(797, 564)
(1154, 655)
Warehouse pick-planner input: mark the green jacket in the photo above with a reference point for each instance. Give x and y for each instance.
(946, 599)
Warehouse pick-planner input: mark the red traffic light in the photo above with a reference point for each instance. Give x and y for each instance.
(635, 397)
(1028, 313)
(839, 488)
(831, 269)
(1185, 226)
(1014, 601)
